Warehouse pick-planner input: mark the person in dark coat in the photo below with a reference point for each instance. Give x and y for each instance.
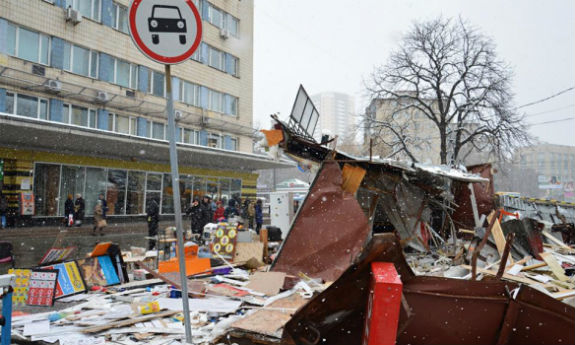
(259, 215)
(197, 216)
(102, 199)
(153, 213)
(231, 210)
(69, 210)
(79, 209)
(206, 211)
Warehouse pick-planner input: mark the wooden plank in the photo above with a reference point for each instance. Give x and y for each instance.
(499, 238)
(530, 267)
(563, 294)
(520, 262)
(556, 241)
(505, 276)
(557, 270)
(129, 322)
(268, 283)
(264, 240)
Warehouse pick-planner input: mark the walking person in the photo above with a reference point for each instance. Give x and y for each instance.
(102, 199)
(197, 215)
(99, 220)
(79, 209)
(259, 215)
(251, 214)
(3, 210)
(69, 210)
(208, 214)
(153, 213)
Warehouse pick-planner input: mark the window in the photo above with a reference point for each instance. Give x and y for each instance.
(190, 93)
(234, 67)
(28, 106)
(125, 74)
(233, 25)
(233, 106)
(88, 8)
(135, 194)
(116, 191)
(120, 17)
(189, 136)
(223, 20)
(153, 187)
(28, 45)
(215, 101)
(216, 58)
(156, 83)
(167, 195)
(80, 60)
(79, 116)
(46, 188)
(71, 183)
(214, 140)
(233, 144)
(157, 130)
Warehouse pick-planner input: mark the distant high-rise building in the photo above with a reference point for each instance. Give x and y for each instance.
(336, 113)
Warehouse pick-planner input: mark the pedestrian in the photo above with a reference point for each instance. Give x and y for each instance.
(231, 210)
(295, 206)
(69, 210)
(208, 214)
(251, 214)
(99, 220)
(153, 213)
(259, 215)
(79, 208)
(3, 210)
(219, 212)
(102, 199)
(197, 215)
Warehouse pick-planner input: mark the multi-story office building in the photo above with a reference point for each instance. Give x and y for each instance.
(554, 166)
(337, 113)
(421, 133)
(83, 111)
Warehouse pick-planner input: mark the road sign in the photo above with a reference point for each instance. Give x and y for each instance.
(166, 31)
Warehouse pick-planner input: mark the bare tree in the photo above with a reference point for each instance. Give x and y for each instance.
(447, 71)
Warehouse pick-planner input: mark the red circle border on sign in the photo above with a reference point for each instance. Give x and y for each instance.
(156, 57)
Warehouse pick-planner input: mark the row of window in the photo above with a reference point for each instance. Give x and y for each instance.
(35, 47)
(125, 191)
(222, 19)
(37, 107)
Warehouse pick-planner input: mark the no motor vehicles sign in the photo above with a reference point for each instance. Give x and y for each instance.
(166, 31)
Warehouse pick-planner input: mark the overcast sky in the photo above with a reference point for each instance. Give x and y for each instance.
(333, 45)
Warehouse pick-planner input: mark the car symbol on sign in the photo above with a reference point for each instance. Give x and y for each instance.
(166, 19)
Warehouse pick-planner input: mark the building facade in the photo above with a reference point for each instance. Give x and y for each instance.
(423, 137)
(337, 113)
(554, 167)
(83, 111)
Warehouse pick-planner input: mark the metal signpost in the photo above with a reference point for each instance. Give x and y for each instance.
(168, 32)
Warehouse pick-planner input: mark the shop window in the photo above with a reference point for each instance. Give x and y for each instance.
(96, 181)
(154, 187)
(116, 191)
(71, 183)
(135, 195)
(167, 195)
(186, 190)
(213, 188)
(46, 189)
(236, 188)
(225, 186)
(199, 187)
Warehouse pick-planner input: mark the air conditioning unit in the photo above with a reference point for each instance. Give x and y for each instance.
(178, 115)
(224, 33)
(102, 97)
(53, 85)
(73, 16)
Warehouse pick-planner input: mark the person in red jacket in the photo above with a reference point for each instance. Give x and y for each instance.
(219, 212)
